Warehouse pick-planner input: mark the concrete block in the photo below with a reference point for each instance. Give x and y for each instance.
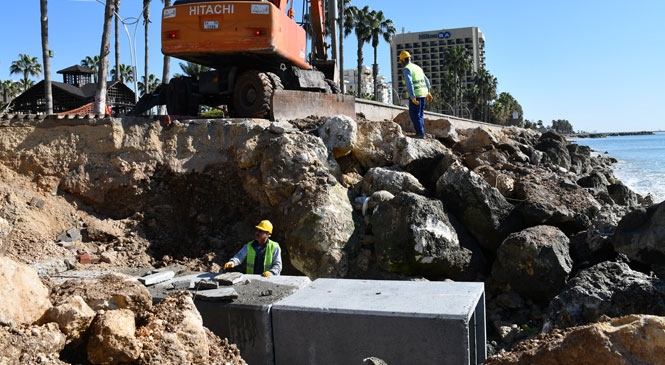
(335, 321)
(246, 321)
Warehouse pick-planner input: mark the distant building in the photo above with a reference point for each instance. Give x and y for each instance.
(74, 95)
(367, 80)
(427, 49)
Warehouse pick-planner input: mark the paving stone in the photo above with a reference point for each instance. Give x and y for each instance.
(217, 295)
(157, 277)
(229, 278)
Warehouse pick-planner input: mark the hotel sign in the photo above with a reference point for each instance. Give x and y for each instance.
(440, 35)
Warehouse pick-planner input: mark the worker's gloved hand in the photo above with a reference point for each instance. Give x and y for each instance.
(415, 101)
(267, 273)
(228, 265)
(429, 98)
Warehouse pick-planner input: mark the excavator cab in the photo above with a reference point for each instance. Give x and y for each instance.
(257, 55)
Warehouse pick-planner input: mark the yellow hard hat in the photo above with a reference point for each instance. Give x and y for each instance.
(403, 55)
(265, 226)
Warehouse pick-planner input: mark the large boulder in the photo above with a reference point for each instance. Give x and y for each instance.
(23, 297)
(393, 180)
(73, 317)
(177, 337)
(534, 262)
(476, 140)
(640, 235)
(610, 289)
(633, 339)
(413, 235)
(375, 143)
(426, 159)
(113, 338)
(546, 198)
(322, 226)
(480, 207)
(339, 134)
(106, 292)
(555, 148)
(32, 345)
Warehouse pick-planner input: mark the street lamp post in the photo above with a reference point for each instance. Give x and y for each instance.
(132, 46)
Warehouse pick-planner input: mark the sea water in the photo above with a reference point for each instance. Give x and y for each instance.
(641, 160)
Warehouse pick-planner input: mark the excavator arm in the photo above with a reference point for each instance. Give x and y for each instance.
(318, 30)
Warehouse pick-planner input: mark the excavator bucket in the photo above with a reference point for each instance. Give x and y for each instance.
(291, 104)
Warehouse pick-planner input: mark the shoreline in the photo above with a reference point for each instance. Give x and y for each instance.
(609, 134)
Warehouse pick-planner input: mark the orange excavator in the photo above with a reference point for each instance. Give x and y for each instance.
(258, 60)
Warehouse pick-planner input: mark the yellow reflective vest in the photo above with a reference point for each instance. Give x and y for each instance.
(267, 260)
(418, 80)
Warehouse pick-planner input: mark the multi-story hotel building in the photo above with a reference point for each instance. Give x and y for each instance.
(427, 50)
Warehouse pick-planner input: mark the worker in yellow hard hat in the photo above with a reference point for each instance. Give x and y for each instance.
(417, 85)
(263, 255)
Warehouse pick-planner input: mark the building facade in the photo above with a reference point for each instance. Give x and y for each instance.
(427, 50)
(384, 89)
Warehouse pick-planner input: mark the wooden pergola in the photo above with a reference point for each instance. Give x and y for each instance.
(76, 90)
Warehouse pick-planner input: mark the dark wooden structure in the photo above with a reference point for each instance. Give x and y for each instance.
(76, 90)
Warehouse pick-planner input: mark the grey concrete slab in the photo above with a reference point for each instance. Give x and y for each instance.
(246, 321)
(216, 295)
(336, 321)
(158, 277)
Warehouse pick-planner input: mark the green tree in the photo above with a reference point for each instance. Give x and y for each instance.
(126, 73)
(503, 108)
(448, 93)
(153, 82)
(359, 23)
(9, 90)
(562, 126)
(485, 87)
(192, 69)
(380, 27)
(26, 66)
(458, 63)
(93, 64)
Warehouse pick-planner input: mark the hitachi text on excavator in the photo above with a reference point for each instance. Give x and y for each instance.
(258, 60)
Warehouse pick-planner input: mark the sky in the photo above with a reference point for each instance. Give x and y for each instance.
(600, 64)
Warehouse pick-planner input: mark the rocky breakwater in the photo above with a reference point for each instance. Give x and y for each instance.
(557, 239)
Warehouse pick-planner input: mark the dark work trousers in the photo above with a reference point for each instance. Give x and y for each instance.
(417, 114)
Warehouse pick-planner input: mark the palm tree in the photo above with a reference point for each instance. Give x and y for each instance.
(26, 66)
(192, 69)
(152, 84)
(379, 27)
(9, 90)
(146, 22)
(100, 93)
(93, 64)
(486, 85)
(126, 73)
(458, 63)
(48, 95)
(117, 41)
(360, 25)
(167, 66)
